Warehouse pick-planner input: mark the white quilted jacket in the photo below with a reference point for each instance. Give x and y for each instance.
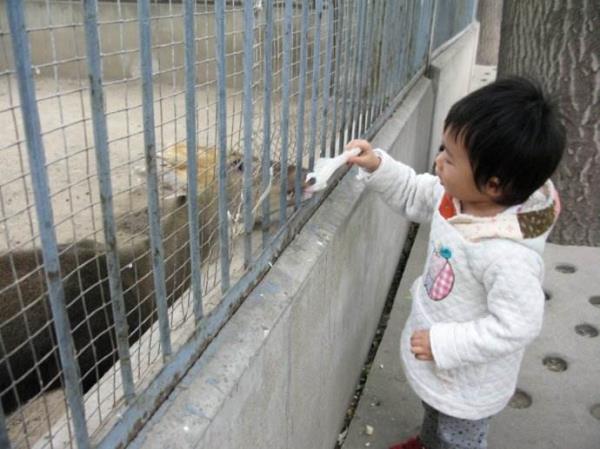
(480, 293)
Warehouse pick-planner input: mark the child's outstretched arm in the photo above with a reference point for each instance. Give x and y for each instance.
(412, 195)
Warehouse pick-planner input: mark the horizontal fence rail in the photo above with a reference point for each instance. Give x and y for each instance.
(154, 159)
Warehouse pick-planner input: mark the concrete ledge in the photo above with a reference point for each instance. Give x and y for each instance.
(281, 372)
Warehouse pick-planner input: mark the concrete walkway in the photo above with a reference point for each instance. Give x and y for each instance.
(557, 404)
(553, 408)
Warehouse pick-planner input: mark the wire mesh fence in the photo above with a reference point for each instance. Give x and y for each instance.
(153, 161)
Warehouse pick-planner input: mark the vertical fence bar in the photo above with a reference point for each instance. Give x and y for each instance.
(222, 142)
(432, 32)
(422, 35)
(401, 50)
(371, 55)
(268, 89)
(336, 85)
(384, 58)
(410, 48)
(4, 440)
(365, 66)
(327, 77)
(352, 70)
(43, 206)
(285, 108)
(344, 93)
(368, 53)
(192, 154)
(106, 195)
(402, 70)
(380, 101)
(378, 37)
(315, 85)
(358, 69)
(160, 291)
(301, 105)
(380, 24)
(396, 36)
(389, 61)
(248, 125)
(417, 19)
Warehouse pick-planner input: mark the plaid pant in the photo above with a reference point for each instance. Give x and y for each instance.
(440, 431)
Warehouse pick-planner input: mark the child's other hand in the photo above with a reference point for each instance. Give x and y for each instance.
(420, 345)
(367, 159)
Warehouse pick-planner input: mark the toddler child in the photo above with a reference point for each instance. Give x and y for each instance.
(479, 301)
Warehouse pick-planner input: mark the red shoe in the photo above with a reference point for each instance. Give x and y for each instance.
(411, 443)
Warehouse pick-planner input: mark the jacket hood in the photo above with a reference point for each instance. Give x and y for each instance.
(528, 223)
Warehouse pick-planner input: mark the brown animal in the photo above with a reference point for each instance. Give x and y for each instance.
(29, 361)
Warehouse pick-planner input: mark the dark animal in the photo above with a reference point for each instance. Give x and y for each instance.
(29, 360)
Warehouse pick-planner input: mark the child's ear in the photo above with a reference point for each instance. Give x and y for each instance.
(493, 187)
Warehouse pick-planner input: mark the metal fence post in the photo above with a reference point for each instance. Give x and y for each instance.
(268, 90)
(103, 164)
(285, 108)
(248, 128)
(222, 142)
(327, 78)
(39, 178)
(301, 106)
(315, 85)
(192, 155)
(160, 294)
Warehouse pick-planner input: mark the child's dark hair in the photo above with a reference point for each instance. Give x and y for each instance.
(511, 131)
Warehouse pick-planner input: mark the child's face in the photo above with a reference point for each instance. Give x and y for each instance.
(456, 174)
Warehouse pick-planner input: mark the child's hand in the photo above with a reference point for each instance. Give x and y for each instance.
(420, 345)
(367, 159)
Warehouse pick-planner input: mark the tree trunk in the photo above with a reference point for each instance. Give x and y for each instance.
(489, 14)
(557, 42)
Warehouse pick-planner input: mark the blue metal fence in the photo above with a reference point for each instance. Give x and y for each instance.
(205, 118)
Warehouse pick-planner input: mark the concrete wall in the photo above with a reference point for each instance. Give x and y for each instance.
(282, 371)
(450, 71)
